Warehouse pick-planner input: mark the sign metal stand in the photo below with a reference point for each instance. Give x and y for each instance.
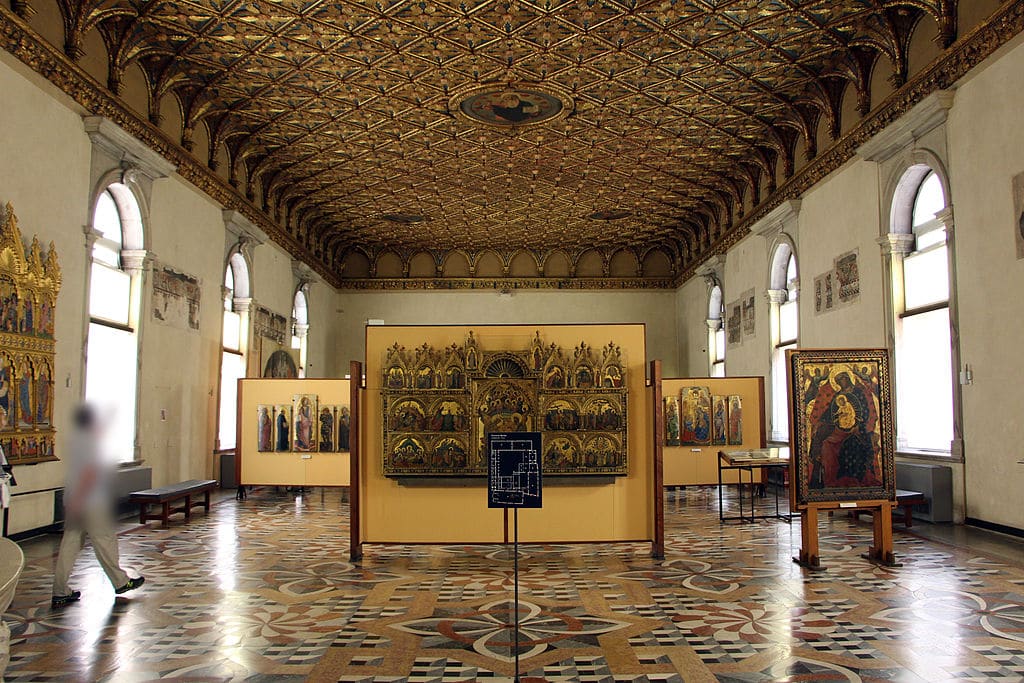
(514, 481)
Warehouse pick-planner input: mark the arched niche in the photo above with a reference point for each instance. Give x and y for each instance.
(422, 265)
(389, 264)
(557, 264)
(881, 83)
(170, 116)
(623, 264)
(489, 265)
(355, 265)
(590, 264)
(523, 265)
(456, 265)
(47, 22)
(223, 162)
(201, 142)
(135, 90)
(849, 116)
(924, 45)
(657, 264)
(94, 61)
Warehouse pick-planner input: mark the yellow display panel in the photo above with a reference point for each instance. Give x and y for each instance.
(690, 465)
(426, 510)
(288, 468)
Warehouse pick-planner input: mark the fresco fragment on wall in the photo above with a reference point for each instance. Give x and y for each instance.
(29, 284)
(440, 404)
(175, 298)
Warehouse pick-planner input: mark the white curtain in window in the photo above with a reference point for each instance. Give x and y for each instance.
(232, 368)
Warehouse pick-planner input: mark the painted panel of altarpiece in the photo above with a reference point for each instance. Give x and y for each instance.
(440, 404)
(29, 284)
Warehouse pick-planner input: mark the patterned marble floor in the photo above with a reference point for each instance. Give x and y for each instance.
(261, 591)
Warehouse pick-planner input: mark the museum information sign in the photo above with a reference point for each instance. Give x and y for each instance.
(513, 470)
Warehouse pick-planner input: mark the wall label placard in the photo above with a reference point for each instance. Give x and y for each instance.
(514, 470)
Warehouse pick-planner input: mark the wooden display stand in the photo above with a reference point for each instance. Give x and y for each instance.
(881, 552)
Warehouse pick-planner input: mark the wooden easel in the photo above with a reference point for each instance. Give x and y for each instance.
(881, 552)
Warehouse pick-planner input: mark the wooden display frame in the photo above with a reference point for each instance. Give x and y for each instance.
(865, 414)
(288, 468)
(449, 510)
(698, 465)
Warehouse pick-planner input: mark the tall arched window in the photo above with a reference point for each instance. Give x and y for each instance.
(716, 332)
(233, 347)
(784, 322)
(115, 285)
(923, 355)
(300, 327)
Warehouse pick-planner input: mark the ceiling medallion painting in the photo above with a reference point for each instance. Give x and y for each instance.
(514, 126)
(503, 105)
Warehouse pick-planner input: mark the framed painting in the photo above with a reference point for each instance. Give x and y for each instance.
(735, 420)
(327, 428)
(695, 416)
(343, 425)
(671, 421)
(282, 427)
(841, 429)
(719, 420)
(264, 428)
(304, 431)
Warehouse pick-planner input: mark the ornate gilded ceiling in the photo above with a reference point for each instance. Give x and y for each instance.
(506, 125)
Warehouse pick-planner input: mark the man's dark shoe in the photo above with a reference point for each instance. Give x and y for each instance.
(61, 600)
(131, 585)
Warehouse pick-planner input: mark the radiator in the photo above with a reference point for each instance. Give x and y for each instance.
(935, 482)
(128, 480)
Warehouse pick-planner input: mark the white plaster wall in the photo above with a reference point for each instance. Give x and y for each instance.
(746, 267)
(180, 366)
(44, 173)
(323, 358)
(655, 308)
(691, 329)
(986, 143)
(273, 283)
(840, 215)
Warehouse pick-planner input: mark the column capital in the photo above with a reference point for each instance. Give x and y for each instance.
(241, 304)
(714, 324)
(776, 296)
(896, 243)
(300, 330)
(135, 260)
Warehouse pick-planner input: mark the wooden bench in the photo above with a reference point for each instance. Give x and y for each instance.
(905, 500)
(166, 495)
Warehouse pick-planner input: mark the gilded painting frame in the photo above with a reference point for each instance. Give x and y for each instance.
(841, 426)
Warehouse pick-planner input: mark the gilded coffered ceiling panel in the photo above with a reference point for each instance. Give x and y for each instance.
(511, 125)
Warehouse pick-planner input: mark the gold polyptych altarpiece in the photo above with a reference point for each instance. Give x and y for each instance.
(440, 404)
(29, 284)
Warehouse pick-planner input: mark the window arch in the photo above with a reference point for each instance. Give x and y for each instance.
(233, 346)
(784, 328)
(716, 331)
(921, 295)
(115, 285)
(300, 326)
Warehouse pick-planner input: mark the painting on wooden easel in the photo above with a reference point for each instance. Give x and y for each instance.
(841, 428)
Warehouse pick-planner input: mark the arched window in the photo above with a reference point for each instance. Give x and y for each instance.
(923, 355)
(300, 327)
(716, 332)
(784, 320)
(233, 346)
(112, 347)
